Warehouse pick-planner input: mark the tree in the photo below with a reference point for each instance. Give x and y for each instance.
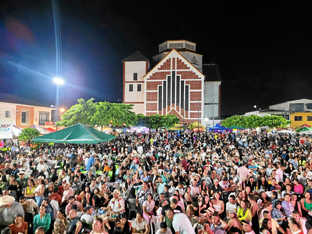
(116, 114)
(158, 121)
(98, 113)
(28, 134)
(82, 112)
(254, 121)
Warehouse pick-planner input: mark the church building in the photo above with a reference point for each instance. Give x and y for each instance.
(179, 83)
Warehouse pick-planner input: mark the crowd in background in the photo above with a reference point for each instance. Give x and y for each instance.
(160, 182)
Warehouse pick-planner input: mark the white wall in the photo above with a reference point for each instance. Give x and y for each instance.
(134, 96)
(135, 67)
(7, 107)
(140, 69)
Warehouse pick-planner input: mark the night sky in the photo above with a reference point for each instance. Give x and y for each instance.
(264, 49)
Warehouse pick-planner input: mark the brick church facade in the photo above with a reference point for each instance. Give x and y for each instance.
(175, 85)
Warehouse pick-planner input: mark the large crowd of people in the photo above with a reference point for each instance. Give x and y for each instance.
(160, 182)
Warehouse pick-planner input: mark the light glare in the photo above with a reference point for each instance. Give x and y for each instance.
(58, 81)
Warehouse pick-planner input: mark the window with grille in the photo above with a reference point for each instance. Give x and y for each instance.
(7, 114)
(139, 88)
(309, 118)
(131, 88)
(135, 76)
(43, 117)
(24, 117)
(298, 118)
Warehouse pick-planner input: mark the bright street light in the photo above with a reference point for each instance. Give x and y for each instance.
(58, 81)
(62, 109)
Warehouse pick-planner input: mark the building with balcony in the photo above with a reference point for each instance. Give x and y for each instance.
(175, 81)
(23, 112)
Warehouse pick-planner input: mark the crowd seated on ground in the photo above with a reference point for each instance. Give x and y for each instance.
(160, 182)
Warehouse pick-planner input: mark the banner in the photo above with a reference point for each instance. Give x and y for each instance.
(6, 131)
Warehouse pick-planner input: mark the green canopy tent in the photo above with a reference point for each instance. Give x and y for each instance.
(303, 129)
(76, 134)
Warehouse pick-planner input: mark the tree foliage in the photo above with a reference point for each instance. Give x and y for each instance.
(28, 134)
(98, 113)
(254, 121)
(160, 121)
(115, 114)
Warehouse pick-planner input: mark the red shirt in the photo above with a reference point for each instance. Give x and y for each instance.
(16, 230)
(57, 197)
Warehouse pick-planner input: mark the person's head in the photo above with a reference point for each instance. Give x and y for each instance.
(7, 230)
(97, 225)
(307, 195)
(215, 218)
(294, 224)
(169, 214)
(294, 197)
(163, 227)
(278, 205)
(216, 196)
(72, 214)
(232, 199)
(243, 204)
(42, 209)
(173, 203)
(268, 206)
(116, 193)
(195, 206)
(295, 214)
(287, 197)
(71, 200)
(266, 224)
(247, 226)
(251, 197)
(139, 216)
(149, 197)
(266, 214)
(232, 214)
(18, 219)
(40, 230)
(145, 185)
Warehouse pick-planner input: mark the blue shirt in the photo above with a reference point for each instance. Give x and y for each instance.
(90, 163)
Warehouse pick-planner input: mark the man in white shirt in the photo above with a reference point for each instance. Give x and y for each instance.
(231, 204)
(181, 224)
(279, 174)
(87, 217)
(203, 155)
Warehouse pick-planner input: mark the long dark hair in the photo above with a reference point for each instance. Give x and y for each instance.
(265, 225)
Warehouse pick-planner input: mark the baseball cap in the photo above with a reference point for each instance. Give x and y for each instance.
(247, 221)
(87, 208)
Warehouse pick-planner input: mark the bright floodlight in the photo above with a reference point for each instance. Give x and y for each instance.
(58, 81)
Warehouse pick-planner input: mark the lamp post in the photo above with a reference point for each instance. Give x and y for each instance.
(58, 81)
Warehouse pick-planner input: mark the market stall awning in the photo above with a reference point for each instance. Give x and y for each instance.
(176, 127)
(76, 134)
(218, 127)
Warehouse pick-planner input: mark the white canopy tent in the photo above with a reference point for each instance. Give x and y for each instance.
(9, 131)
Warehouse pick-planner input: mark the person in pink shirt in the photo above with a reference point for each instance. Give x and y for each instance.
(72, 201)
(68, 192)
(243, 172)
(298, 188)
